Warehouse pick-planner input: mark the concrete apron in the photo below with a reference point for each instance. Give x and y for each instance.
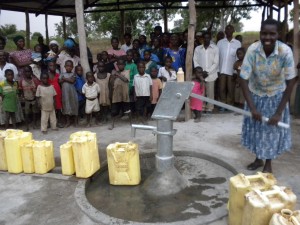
(100, 217)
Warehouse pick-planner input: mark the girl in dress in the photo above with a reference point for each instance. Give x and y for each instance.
(69, 94)
(102, 79)
(199, 87)
(54, 81)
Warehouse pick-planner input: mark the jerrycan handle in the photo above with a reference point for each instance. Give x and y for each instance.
(294, 220)
(286, 213)
(250, 178)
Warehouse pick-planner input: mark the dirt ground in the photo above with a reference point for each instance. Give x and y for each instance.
(29, 199)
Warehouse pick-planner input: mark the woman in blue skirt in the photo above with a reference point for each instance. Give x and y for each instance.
(268, 77)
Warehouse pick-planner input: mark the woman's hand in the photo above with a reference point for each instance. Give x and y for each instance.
(256, 115)
(274, 119)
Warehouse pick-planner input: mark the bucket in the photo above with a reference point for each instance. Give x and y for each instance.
(43, 156)
(13, 141)
(241, 185)
(123, 163)
(67, 159)
(85, 152)
(261, 205)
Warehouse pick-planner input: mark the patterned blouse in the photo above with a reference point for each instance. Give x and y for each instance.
(22, 56)
(267, 75)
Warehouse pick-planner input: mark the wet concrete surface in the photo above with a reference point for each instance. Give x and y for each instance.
(204, 198)
(48, 201)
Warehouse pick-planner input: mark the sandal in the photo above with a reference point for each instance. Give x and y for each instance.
(255, 165)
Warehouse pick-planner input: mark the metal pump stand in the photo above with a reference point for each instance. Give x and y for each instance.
(166, 179)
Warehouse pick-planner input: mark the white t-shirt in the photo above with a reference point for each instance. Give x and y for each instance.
(126, 47)
(8, 66)
(227, 52)
(142, 85)
(164, 73)
(91, 91)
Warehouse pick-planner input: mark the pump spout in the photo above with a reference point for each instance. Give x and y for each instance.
(134, 127)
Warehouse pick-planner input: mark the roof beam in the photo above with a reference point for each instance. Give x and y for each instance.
(172, 7)
(46, 7)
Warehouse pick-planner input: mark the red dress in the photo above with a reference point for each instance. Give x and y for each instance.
(58, 98)
(196, 104)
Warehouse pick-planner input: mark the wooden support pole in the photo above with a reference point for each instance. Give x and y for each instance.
(295, 105)
(64, 27)
(285, 21)
(47, 31)
(165, 19)
(271, 9)
(27, 30)
(82, 36)
(122, 15)
(279, 12)
(190, 52)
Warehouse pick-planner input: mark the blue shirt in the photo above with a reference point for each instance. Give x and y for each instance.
(78, 86)
(178, 57)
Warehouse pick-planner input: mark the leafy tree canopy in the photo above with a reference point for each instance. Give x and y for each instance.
(217, 17)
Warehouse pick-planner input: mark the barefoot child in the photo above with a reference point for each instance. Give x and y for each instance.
(46, 98)
(119, 91)
(143, 91)
(199, 87)
(91, 90)
(54, 81)
(238, 93)
(102, 79)
(156, 90)
(69, 95)
(28, 89)
(78, 86)
(9, 94)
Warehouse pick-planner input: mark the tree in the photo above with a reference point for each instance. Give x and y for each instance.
(217, 17)
(136, 21)
(71, 27)
(35, 35)
(8, 29)
(292, 14)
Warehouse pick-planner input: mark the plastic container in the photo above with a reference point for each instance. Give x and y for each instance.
(43, 156)
(180, 75)
(27, 157)
(123, 164)
(286, 217)
(13, 142)
(85, 152)
(241, 185)
(261, 205)
(3, 162)
(67, 159)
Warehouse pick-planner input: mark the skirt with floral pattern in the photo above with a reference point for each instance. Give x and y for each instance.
(264, 140)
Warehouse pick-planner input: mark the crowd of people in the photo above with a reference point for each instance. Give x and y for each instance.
(128, 80)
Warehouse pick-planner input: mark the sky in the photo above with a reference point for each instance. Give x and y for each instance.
(37, 24)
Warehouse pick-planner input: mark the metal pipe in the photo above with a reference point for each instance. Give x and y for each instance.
(140, 127)
(235, 109)
(164, 156)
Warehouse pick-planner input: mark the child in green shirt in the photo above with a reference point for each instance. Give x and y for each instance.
(9, 94)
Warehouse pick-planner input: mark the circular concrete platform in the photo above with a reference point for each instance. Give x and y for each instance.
(202, 202)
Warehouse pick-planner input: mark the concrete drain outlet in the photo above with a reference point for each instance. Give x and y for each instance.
(202, 202)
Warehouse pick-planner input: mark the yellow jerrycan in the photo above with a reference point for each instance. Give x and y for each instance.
(241, 185)
(27, 157)
(261, 205)
(43, 156)
(123, 163)
(3, 161)
(67, 159)
(13, 141)
(85, 152)
(286, 217)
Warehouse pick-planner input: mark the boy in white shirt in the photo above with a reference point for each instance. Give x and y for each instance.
(91, 90)
(142, 83)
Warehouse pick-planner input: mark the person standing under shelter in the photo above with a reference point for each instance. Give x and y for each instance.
(206, 56)
(227, 52)
(268, 77)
